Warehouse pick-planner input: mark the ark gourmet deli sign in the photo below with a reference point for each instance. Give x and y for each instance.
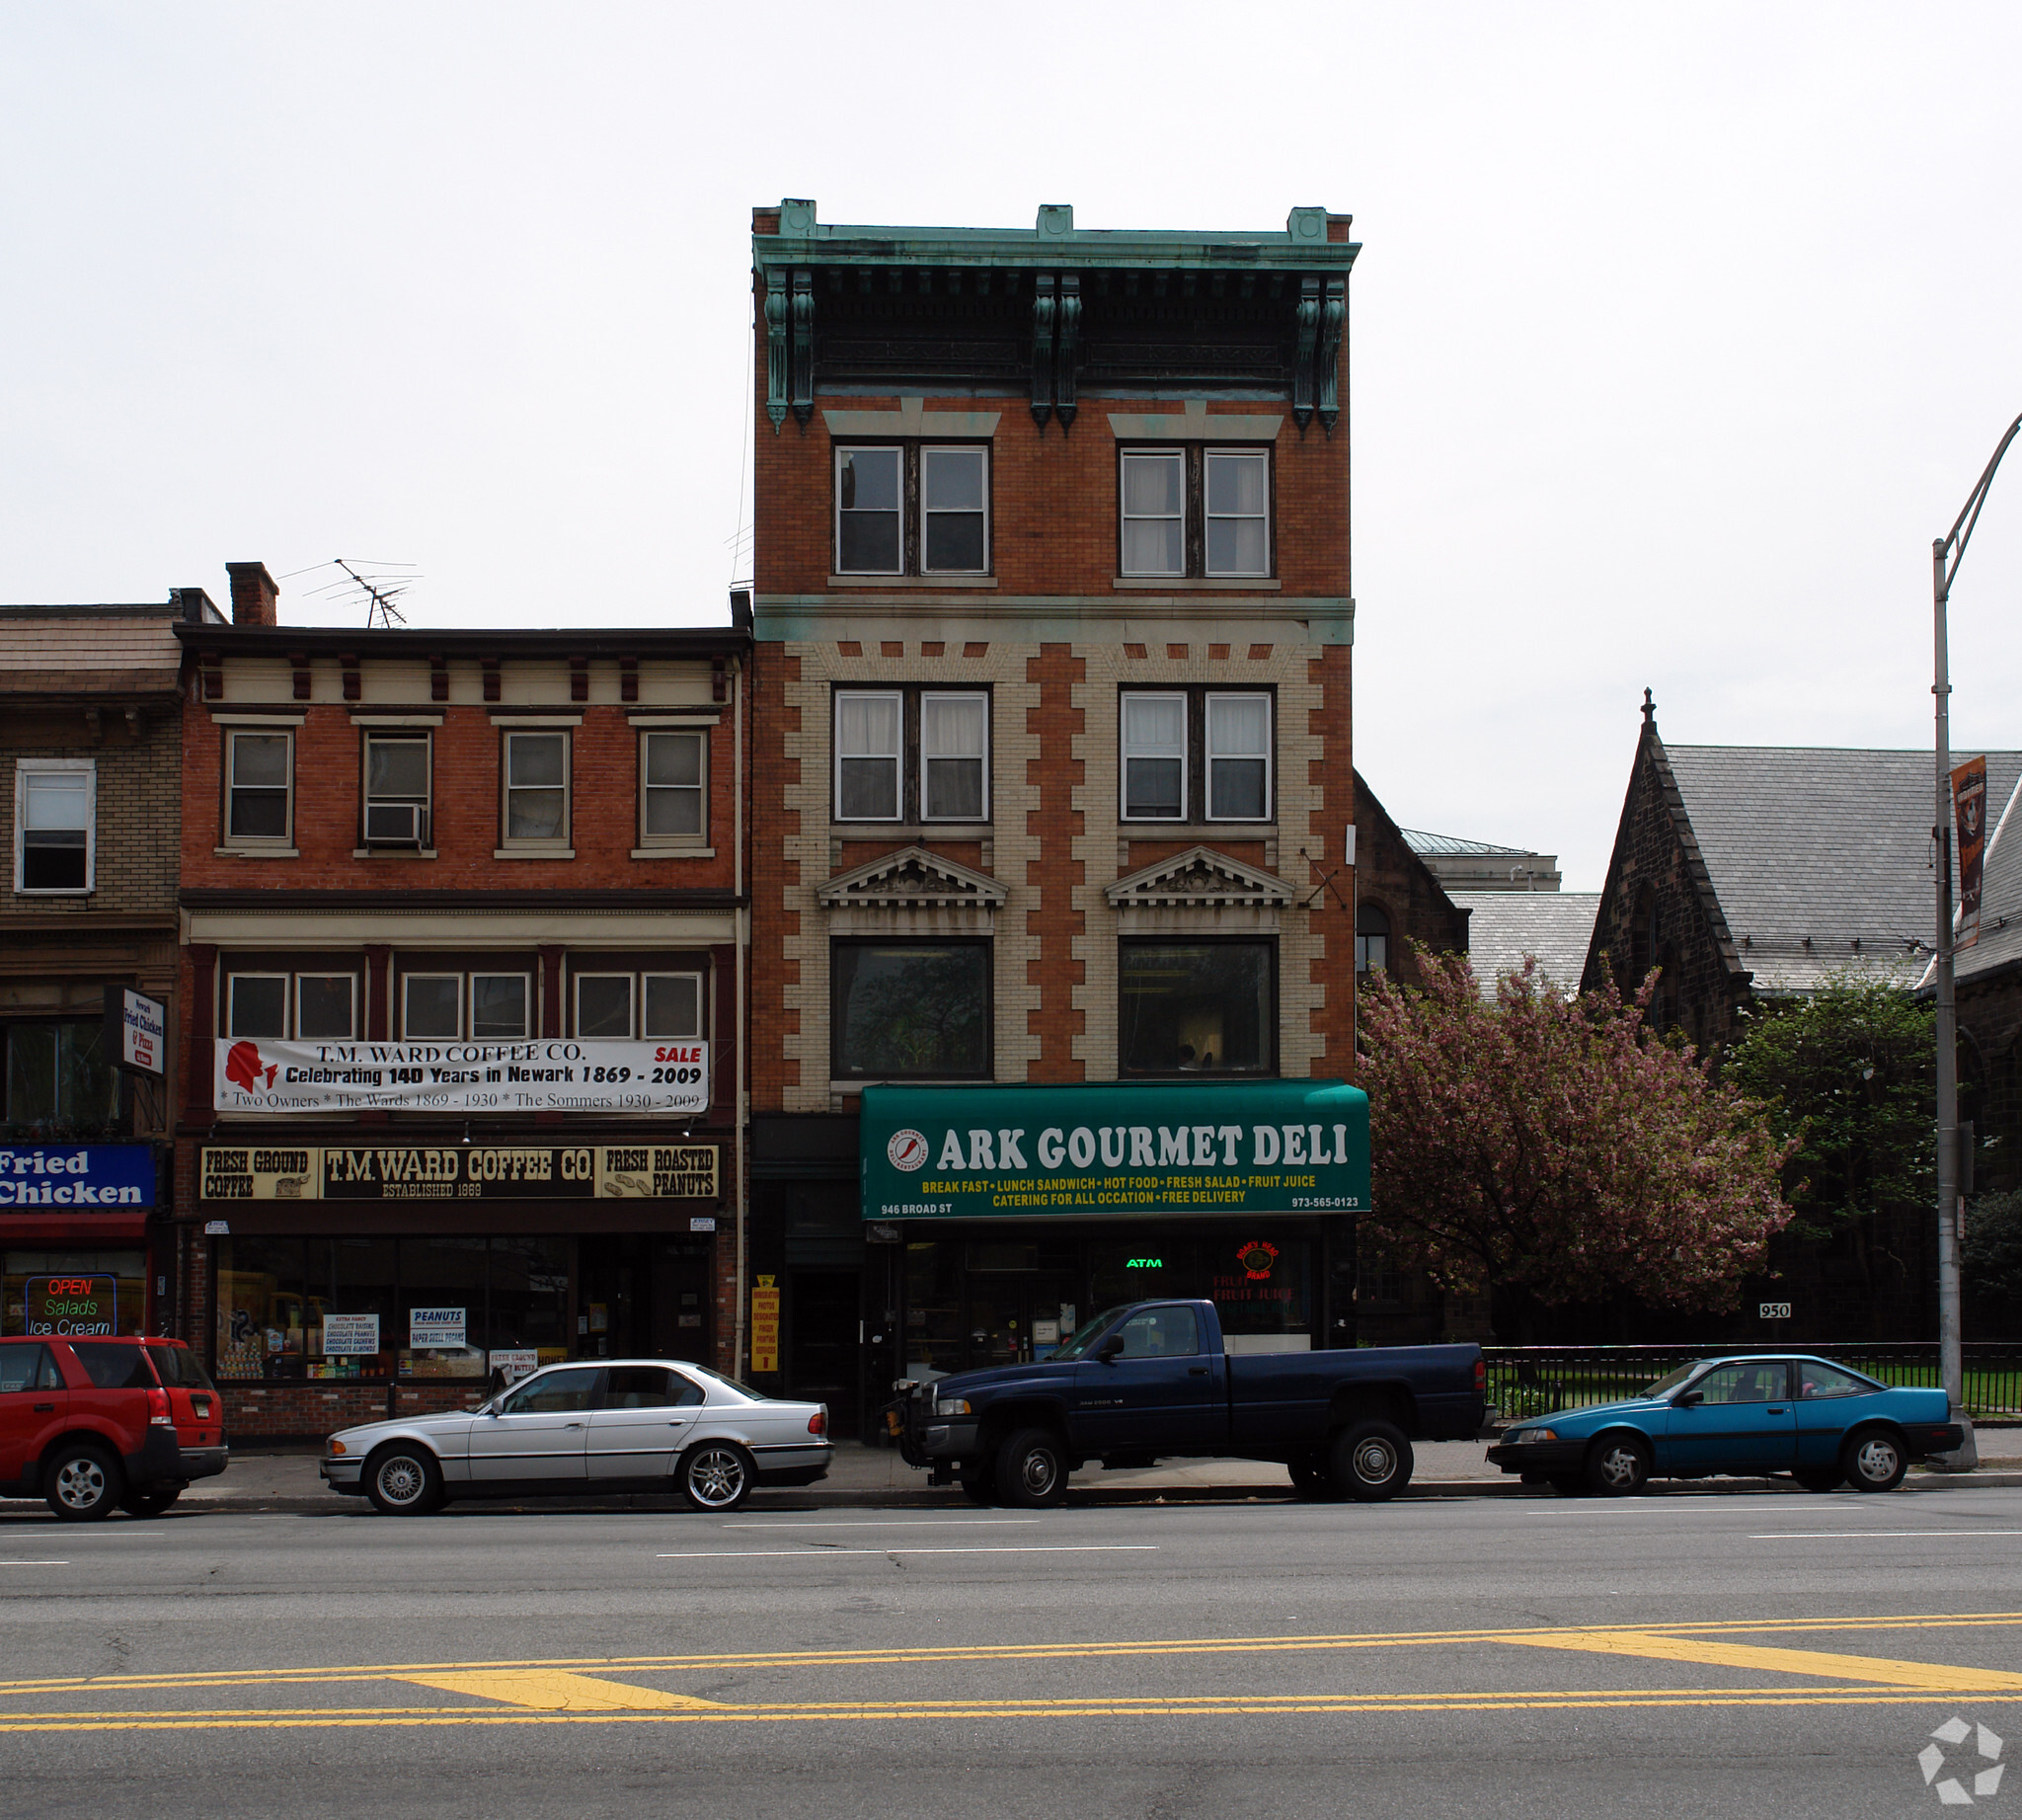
(460, 1172)
(552, 1074)
(1109, 1150)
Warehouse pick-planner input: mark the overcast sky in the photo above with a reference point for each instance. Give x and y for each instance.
(1677, 336)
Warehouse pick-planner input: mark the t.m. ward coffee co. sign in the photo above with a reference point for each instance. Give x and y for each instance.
(551, 1075)
(459, 1172)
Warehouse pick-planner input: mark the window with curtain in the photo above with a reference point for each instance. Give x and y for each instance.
(868, 758)
(537, 786)
(673, 765)
(1155, 730)
(1238, 490)
(1238, 758)
(55, 809)
(1154, 489)
(396, 789)
(260, 775)
(954, 756)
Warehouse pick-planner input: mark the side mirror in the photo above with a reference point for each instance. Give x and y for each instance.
(1111, 1348)
(1688, 1400)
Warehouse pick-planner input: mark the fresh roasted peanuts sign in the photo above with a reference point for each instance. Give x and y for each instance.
(1236, 1146)
(548, 1074)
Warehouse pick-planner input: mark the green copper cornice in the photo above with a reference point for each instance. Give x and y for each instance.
(1054, 243)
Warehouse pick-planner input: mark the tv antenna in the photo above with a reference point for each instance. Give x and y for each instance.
(378, 586)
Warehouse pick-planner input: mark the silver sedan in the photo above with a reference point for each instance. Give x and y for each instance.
(608, 1426)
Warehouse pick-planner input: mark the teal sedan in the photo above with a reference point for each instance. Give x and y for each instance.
(1767, 1412)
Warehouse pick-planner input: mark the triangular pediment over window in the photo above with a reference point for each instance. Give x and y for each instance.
(912, 878)
(1200, 879)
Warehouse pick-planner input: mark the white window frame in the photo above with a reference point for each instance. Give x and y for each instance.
(471, 1003)
(24, 769)
(425, 821)
(927, 513)
(896, 757)
(233, 735)
(1209, 458)
(632, 996)
(408, 1036)
(1210, 754)
(287, 1002)
(351, 981)
(701, 1031)
(1125, 516)
(536, 842)
(896, 449)
(1124, 755)
(927, 758)
(700, 734)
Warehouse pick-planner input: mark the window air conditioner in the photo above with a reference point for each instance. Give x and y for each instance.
(393, 824)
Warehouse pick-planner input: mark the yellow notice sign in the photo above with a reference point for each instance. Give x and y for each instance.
(765, 1328)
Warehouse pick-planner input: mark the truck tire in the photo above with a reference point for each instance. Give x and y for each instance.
(1372, 1461)
(1032, 1470)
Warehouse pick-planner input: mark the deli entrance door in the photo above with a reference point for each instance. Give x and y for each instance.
(1009, 1315)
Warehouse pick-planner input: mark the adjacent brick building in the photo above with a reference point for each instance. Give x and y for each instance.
(90, 734)
(1050, 774)
(463, 919)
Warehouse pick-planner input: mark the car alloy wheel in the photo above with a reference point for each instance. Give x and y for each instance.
(84, 1485)
(1875, 1463)
(716, 1478)
(1619, 1468)
(404, 1481)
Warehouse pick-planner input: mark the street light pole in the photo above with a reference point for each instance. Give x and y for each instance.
(1946, 552)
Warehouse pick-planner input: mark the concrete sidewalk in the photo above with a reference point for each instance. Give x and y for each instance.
(286, 1481)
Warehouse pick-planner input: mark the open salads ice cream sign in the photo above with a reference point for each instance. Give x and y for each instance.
(556, 1075)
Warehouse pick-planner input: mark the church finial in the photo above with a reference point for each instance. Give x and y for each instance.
(1649, 709)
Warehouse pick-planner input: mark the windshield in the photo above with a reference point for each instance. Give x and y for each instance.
(1672, 1380)
(1085, 1336)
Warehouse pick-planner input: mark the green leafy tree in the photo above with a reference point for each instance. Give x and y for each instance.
(1992, 1266)
(1847, 1076)
(1549, 1147)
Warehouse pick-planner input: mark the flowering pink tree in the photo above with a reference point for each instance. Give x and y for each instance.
(1550, 1147)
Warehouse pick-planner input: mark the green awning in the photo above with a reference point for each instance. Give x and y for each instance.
(1230, 1146)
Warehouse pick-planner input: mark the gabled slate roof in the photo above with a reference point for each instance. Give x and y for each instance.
(1504, 926)
(1819, 855)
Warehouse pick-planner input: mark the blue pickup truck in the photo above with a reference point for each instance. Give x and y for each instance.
(1154, 1381)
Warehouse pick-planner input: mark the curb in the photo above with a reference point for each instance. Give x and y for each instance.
(1091, 1497)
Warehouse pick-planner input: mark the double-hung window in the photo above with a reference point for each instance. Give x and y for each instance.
(397, 789)
(55, 810)
(623, 1007)
(1196, 756)
(913, 509)
(868, 755)
(309, 1006)
(537, 787)
(431, 1007)
(1195, 512)
(911, 754)
(673, 771)
(258, 785)
(484, 1006)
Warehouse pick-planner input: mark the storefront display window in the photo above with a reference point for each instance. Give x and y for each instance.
(73, 1291)
(1196, 1007)
(57, 1077)
(912, 1009)
(388, 1307)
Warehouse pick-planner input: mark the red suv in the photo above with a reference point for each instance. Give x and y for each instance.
(90, 1423)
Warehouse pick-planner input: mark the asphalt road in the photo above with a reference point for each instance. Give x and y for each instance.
(1672, 1655)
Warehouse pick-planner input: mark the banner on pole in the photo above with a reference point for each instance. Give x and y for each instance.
(1969, 804)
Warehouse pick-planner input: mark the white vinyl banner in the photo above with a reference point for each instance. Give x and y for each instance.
(549, 1075)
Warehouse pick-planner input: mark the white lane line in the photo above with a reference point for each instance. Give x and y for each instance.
(822, 1554)
(781, 1524)
(34, 1563)
(1863, 1534)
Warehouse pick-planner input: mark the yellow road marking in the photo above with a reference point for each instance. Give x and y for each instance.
(352, 1718)
(1054, 1651)
(1936, 1677)
(553, 1692)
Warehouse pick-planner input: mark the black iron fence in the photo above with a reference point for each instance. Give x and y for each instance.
(1531, 1381)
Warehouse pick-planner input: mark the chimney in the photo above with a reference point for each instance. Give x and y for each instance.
(254, 597)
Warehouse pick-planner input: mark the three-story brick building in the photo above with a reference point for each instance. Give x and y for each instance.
(1051, 774)
(463, 924)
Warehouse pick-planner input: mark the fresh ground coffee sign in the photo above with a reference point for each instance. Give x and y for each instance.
(1232, 1147)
